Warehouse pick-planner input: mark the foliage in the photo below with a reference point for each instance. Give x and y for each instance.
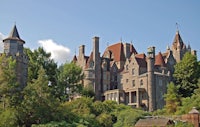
(128, 117)
(69, 81)
(105, 120)
(88, 91)
(38, 58)
(189, 102)
(38, 105)
(172, 99)
(9, 87)
(8, 118)
(186, 74)
(183, 124)
(52, 124)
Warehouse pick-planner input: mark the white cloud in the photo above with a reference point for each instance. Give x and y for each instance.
(59, 53)
(1, 42)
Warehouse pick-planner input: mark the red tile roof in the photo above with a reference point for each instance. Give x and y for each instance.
(141, 60)
(118, 51)
(132, 49)
(159, 60)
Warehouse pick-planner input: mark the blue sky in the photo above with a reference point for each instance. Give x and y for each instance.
(61, 26)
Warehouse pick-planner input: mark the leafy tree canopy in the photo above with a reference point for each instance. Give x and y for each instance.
(186, 74)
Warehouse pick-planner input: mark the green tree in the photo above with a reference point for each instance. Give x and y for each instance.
(9, 118)
(38, 105)
(128, 117)
(69, 81)
(87, 91)
(186, 74)
(189, 102)
(172, 99)
(105, 120)
(9, 87)
(38, 58)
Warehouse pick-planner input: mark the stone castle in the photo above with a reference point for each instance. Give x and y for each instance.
(13, 46)
(120, 74)
(126, 76)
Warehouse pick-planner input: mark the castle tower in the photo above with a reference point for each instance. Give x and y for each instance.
(97, 68)
(13, 46)
(178, 47)
(151, 81)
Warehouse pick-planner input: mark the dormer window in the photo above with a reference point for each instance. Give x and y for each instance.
(127, 67)
(91, 64)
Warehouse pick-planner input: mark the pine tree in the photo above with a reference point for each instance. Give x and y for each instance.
(172, 99)
(39, 105)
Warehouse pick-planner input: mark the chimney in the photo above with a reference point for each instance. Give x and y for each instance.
(96, 48)
(127, 50)
(82, 50)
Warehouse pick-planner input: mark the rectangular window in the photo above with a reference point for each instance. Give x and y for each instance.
(126, 80)
(141, 82)
(133, 83)
(133, 71)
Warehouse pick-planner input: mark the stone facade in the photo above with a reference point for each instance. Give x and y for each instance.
(126, 76)
(13, 46)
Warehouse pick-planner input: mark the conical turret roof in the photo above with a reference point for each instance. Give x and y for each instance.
(14, 35)
(178, 42)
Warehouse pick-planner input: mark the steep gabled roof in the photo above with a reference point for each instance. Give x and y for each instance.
(141, 60)
(74, 58)
(90, 59)
(178, 41)
(132, 49)
(159, 60)
(118, 51)
(14, 35)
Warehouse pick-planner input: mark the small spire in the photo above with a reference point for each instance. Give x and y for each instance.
(168, 48)
(107, 44)
(177, 26)
(75, 51)
(121, 39)
(131, 42)
(189, 47)
(14, 32)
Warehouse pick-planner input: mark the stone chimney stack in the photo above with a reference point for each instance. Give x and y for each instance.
(97, 68)
(126, 50)
(95, 48)
(194, 52)
(151, 80)
(82, 50)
